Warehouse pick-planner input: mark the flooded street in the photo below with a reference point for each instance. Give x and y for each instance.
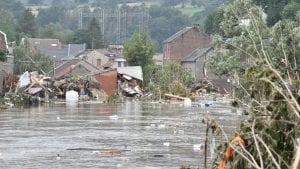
(128, 135)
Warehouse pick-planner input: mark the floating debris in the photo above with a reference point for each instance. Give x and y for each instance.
(58, 157)
(114, 117)
(198, 147)
(167, 144)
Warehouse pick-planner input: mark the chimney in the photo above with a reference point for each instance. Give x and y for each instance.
(196, 25)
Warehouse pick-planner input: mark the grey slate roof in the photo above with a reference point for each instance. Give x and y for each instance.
(65, 52)
(86, 68)
(197, 53)
(174, 36)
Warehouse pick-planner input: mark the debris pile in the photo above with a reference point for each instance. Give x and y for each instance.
(129, 80)
(129, 87)
(32, 88)
(204, 86)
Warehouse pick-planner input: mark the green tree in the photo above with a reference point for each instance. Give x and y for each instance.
(273, 8)
(169, 3)
(82, 1)
(27, 61)
(14, 6)
(2, 55)
(54, 14)
(27, 23)
(167, 78)
(139, 50)
(94, 35)
(80, 36)
(56, 31)
(267, 85)
(8, 26)
(164, 23)
(213, 21)
(290, 10)
(35, 2)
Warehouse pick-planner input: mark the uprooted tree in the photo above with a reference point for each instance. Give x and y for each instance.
(168, 78)
(267, 60)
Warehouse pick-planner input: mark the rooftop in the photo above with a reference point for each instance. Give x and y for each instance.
(174, 36)
(192, 57)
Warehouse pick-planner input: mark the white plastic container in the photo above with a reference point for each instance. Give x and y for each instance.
(72, 96)
(187, 102)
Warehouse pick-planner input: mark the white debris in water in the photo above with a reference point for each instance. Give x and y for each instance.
(167, 144)
(161, 126)
(71, 96)
(58, 157)
(57, 118)
(114, 117)
(187, 102)
(198, 147)
(180, 131)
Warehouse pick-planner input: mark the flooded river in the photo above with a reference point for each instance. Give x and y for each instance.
(129, 135)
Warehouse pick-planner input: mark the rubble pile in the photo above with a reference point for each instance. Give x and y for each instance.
(31, 88)
(85, 86)
(204, 86)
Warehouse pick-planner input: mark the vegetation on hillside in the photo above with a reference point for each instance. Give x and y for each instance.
(59, 19)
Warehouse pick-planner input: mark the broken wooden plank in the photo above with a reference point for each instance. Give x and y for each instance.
(175, 96)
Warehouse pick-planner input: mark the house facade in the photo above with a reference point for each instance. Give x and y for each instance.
(195, 62)
(104, 58)
(182, 43)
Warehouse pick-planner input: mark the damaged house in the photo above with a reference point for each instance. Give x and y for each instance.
(129, 80)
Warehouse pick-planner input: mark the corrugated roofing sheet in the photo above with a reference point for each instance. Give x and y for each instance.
(133, 71)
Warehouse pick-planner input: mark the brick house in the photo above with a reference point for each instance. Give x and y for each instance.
(182, 43)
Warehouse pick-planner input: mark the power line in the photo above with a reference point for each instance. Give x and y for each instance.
(115, 23)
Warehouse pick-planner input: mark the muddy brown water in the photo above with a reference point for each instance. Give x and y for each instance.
(131, 135)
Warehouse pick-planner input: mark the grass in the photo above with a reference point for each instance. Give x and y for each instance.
(190, 11)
